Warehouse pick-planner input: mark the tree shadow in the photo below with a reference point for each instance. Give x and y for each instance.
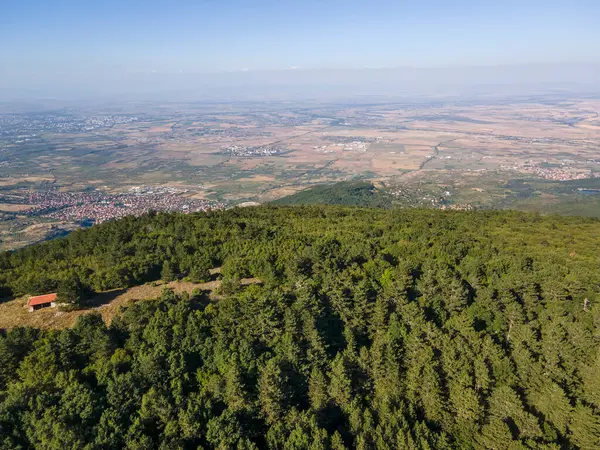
(200, 299)
(7, 298)
(103, 298)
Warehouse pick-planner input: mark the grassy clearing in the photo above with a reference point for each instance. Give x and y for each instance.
(109, 304)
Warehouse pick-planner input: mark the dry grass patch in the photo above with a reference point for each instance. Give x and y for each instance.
(11, 181)
(162, 128)
(11, 207)
(258, 179)
(109, 304)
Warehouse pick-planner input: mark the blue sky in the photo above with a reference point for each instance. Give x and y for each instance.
(265, 34)
(79, 41)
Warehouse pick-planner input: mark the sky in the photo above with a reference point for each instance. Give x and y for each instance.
(83, 42)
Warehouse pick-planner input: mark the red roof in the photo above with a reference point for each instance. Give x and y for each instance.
(41, 299)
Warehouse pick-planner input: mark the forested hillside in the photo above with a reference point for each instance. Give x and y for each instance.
(345, 193)
(372, 329)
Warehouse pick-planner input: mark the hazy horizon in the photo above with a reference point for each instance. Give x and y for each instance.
(318, 84)
(267, 49)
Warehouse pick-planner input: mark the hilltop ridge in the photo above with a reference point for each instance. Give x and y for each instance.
(372, 328)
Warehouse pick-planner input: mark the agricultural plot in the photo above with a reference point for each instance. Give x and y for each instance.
(237, 153)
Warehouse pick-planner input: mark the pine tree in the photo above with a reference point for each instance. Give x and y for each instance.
(272, 391)
(317, 390)
(167, 274)
(340, 385)
(585, 427)
(70, 290)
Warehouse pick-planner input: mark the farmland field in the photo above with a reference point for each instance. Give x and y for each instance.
(539, 154)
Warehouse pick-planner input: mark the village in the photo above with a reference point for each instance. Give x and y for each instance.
(98, 207)
(20, 128)
(242, 150)
(561, 173)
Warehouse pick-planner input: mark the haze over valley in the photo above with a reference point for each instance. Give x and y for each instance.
(70, 166)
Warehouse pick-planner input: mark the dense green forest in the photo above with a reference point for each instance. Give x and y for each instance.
(345, 193)
(372, 329)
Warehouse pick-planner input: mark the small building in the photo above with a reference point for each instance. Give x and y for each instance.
(41, 301)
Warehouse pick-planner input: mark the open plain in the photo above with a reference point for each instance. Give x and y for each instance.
(539, 153)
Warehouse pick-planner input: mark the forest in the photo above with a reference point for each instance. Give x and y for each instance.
(371, 329)
(345, 193)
